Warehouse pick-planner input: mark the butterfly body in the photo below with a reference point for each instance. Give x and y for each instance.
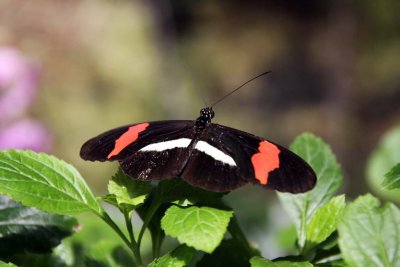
(207, 155)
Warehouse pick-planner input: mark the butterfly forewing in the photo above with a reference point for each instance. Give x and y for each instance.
(123, 142)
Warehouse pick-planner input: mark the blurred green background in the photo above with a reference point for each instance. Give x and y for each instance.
(335, 64)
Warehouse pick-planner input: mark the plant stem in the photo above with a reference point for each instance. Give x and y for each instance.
(152, 210)
(132, 246)
(157, 246)
(128, 223)
(136, 249)
(302, 234)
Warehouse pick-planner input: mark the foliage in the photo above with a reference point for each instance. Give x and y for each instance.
(329, 231)
(392, 178)
(370, 234)
(261, 262)
(45, 182)
(383, 158)
(4, 264)
(200, 227)
(303, 207)
(28, 229)
(181, 256)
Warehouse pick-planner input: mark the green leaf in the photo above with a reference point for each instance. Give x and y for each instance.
(302, 207)
(325, 221)
(24, 229)
(45, 182)
(337, 263)
(4, 264)
(326, 253)
(238, 257)
(171, 191)
(334, 264)
(64, 255)
(107, 253)
(179, 257)
(369, 235)
(261, 262)
(385, 156)
(128, 191)
(110, 199)
(200, 227)
(392, 178)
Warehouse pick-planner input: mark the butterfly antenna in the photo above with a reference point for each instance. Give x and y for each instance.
(252, 79)
(204, 100)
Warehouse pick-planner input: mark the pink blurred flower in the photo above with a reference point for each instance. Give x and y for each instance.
(26, 134)
(18, 87)
(18, 83)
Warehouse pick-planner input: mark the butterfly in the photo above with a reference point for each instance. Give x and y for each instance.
(204, 154)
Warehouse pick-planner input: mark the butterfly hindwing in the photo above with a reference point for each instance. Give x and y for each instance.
(155, 165)
(212, 169)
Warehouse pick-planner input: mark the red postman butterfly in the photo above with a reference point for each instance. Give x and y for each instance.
(204, 154)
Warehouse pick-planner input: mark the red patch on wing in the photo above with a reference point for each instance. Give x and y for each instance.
(265, 161)
(127, 138)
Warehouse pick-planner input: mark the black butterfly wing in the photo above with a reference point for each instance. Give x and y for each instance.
(146, 151)
(223, 158)
(122, 142)
(204, 171)
(233, 157)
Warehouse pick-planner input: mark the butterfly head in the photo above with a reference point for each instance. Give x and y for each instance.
(207, 114)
